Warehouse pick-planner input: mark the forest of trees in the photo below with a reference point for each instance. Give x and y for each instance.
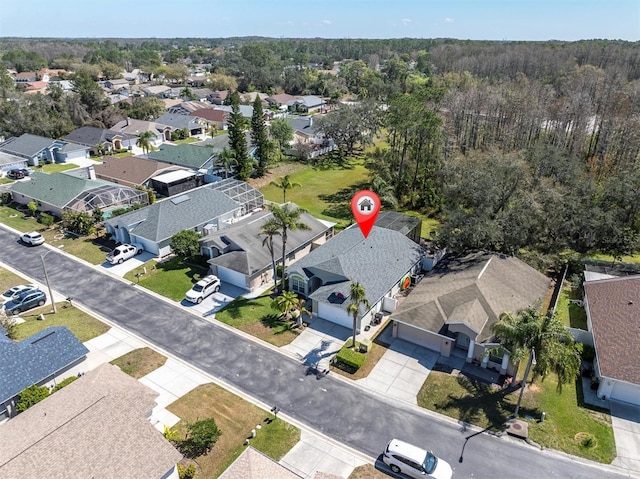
(527, 148)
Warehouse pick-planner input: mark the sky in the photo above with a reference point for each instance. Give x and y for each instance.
(462, 19)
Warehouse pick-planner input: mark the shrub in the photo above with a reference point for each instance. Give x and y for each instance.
(353, 360)
(5, 198)
(46, 219)
(64, 383)
(588, 353)
(31, 396)
(188, 472)
(201, 436)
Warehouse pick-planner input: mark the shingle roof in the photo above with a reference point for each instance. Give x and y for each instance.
(131, 170)
(135, 127)
(377, 263)
(94, 427)
(26, 145)
(302, 125)
(248, 256)
(252, 464)
(56, 189)
(163, 219)
(189, 155)
(8, 159)
(175, 120)
(36, 358)
(614, 310)
(92, 136)
(475, 290)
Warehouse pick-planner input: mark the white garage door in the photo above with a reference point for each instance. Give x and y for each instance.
(626, 392)
(335, 315)
(232, 277)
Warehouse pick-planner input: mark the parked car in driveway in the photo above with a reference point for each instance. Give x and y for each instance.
(16, 174)
(203, 288)
(414, 461)
(32, 238)
(124, 252)
(25, 301)
(11, 292)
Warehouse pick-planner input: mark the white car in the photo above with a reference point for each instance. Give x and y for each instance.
(203, 288)
(16, 290)
(414, 461)
(32, 238)
(124, 252)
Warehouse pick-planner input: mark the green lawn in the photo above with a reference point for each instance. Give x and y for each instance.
(9, 280)
(485, 406)
(325, 191)
(84, 326)
(172, 278)
(186, 140)
(635, 259)
(571, 314)
(56, 167)
(18, 219)
(4, 181)
(235, 418)
(255, 317)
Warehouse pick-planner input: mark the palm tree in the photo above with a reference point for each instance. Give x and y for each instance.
(299, 310)
(285, 303)
(553, 343)
(285, 184)
(226, 159)
(384, 191)
(287, 219)
(357, 298)
(270, 229)
(144, 141)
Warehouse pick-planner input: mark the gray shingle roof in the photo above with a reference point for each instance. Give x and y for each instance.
(26, 145)
(189, 155)
(302, 124)
(175, 120)
(377, 263)
(92, 136)
(57, 189)
(9, 159)
(36, 358)
(94, 427)
(247, 255)
(163, 219)
(475, 290)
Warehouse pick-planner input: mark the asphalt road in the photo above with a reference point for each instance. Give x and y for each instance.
(340, 410)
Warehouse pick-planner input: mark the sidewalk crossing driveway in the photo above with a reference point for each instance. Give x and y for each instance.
(401, 371)
(318, 343)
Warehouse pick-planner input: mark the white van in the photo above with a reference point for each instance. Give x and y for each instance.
(416, 462)
(124, 252)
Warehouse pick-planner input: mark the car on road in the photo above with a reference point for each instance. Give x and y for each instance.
(414, 461)
(124, 252)
(33, 238)
(11, 292)
(203, 288)
(25, 301)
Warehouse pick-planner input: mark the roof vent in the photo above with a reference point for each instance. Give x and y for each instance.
(630, 302)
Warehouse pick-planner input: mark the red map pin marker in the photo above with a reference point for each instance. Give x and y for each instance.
(365, 206)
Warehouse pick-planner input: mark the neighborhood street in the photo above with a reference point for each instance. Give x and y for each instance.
(345, 412)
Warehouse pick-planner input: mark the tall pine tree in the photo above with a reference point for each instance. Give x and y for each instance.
(237, 140)
(260, 137)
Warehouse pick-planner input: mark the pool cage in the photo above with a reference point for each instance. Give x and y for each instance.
(107, 196)
(242, 193)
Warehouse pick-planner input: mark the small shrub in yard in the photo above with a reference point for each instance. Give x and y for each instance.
(31, 396)
(64, 383)
(349, 360)
(188, 472)
(201, 436)
(46, 219)
(588, 353)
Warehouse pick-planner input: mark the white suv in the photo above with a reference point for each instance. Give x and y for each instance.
(203, 288)
(414, 461)
(124, 252)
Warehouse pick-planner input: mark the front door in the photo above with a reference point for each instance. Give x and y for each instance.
(462, 341)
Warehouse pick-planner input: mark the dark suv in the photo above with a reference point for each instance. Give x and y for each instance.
(17, 174)
(25, 300)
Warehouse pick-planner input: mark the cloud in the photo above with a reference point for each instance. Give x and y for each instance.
(448, 20)
(326, 22)
(406, 21)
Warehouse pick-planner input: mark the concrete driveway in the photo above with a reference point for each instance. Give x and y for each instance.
(216, 301)
(625, 420)
(318, 343)
(129, 265)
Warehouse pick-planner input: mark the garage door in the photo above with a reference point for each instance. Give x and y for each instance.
(419, 337)
(232, 277)
(626, 392)
(335, 315)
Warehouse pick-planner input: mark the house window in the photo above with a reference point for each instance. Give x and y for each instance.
(298, 284)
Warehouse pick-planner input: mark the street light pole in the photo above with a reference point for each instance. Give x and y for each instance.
(532, 362)
(46, 278)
